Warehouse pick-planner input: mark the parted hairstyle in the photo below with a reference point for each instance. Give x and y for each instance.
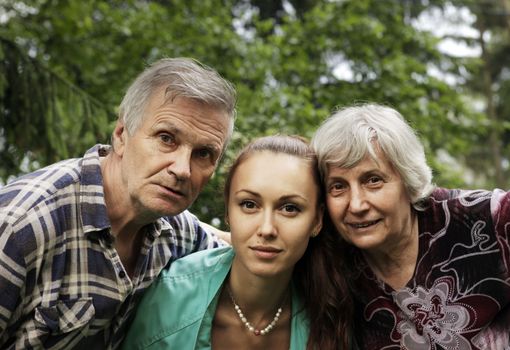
(351, 133)
(183, 77)
(296, 146)
(326, 331)
(326, 291)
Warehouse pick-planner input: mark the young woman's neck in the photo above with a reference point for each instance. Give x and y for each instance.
(257, 294)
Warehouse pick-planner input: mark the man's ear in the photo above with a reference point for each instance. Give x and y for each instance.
(119, 137)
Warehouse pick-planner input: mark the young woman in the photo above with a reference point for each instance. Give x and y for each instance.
(244, 296)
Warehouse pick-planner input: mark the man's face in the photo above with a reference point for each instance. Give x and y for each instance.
(171, 156)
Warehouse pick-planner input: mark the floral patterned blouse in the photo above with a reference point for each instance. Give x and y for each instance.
(459, 294)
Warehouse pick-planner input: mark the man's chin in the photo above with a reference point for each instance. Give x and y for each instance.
(172, 211)
(165, 208)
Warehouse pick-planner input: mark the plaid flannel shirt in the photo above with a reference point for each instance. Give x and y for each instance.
(62, 283)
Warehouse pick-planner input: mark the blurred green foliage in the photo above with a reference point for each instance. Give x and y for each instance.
(64, 66)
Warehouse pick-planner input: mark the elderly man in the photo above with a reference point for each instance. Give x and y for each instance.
(80, 240)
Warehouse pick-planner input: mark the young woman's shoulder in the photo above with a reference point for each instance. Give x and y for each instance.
(200, 262)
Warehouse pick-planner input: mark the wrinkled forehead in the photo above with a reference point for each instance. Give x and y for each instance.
(369, 161)
(348, 157)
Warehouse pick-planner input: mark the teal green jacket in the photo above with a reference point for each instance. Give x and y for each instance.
(178, 309)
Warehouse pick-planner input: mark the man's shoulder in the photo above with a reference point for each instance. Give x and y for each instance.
(179, 299)
(54, 185)
(43, 185)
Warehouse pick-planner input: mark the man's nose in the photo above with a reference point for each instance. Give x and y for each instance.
(180, 164)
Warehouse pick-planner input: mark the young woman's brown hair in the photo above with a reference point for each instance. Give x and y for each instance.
(329, 329)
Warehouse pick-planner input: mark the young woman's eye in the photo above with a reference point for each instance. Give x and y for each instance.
(249, 205)
(290, 209)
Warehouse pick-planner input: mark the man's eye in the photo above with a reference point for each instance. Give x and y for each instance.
(204, 153)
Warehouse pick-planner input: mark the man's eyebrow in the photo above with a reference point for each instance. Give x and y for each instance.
(212, 147)
(167, 125)
(174, 129)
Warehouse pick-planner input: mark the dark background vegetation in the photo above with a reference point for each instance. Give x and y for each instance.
(64, 66)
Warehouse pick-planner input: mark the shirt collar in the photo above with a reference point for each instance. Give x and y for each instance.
(92, 205)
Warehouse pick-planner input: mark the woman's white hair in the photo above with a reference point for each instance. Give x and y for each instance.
(349, 134)
(184, 77)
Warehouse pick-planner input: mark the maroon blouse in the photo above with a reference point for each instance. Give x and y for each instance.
(458, 297)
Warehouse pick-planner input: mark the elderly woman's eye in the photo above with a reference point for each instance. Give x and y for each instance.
(374, 180)
(167, 138)
(336, 186)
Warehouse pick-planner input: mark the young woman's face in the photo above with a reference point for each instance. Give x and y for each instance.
(272, 211)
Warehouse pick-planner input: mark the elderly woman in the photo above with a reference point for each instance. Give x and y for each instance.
(427, 268)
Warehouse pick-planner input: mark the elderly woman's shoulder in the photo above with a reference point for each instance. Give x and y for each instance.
(444, 194)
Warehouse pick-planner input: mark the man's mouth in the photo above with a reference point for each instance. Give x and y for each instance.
(174, 191)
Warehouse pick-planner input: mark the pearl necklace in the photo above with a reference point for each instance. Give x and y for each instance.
(248, 325)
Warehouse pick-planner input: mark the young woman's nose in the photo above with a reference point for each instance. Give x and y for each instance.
(267, 226)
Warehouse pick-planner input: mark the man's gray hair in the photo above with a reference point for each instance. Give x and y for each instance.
(183, 77)
(349, 134)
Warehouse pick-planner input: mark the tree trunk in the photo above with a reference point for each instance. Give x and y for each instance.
(505, 4)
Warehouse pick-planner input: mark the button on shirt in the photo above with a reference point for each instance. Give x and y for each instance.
(62, 283)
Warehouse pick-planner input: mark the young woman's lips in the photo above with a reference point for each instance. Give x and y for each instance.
(265, 252)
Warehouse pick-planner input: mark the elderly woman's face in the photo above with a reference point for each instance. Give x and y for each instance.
(369, 205)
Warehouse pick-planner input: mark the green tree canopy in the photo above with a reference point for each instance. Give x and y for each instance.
(64, 66)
